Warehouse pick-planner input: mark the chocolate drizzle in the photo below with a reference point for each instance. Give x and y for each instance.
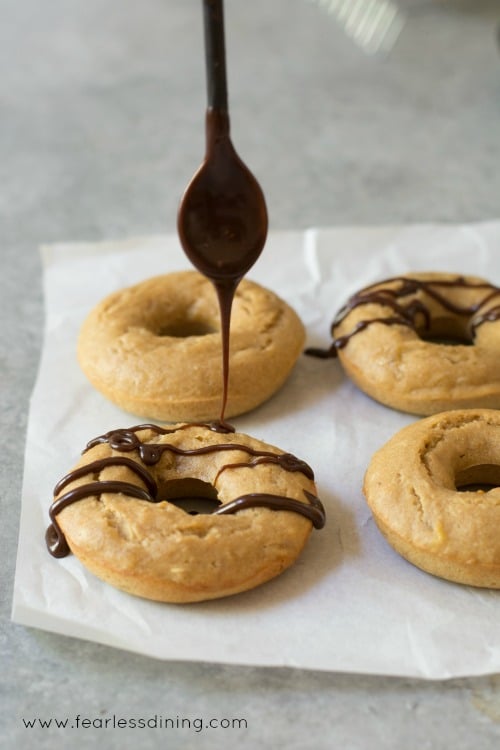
(314, 511)
(413, 312)
(126, 440)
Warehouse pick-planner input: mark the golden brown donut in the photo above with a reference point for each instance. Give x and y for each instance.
(154, 349)
(389, 339)
(119, 511)
(434, 492)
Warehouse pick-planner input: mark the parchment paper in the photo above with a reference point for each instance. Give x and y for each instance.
(350, 603)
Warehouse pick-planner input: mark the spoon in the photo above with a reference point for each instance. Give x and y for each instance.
(222, 217)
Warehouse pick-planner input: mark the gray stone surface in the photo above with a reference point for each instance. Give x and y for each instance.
(101, 127)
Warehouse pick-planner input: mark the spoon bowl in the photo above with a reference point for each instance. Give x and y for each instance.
(222, 220)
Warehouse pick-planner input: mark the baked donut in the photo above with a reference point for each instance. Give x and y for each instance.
(120, 511)
(154, 349)
(434, 491)
(423, 343)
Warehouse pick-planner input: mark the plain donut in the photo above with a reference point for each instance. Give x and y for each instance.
(434, 492)
(154, 349)
(388, 335)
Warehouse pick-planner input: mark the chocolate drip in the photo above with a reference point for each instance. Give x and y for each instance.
(151, 453)
(285, 460)
(314, 511)
(100, 464)
(126, 440)
(407, 315)
(54, 536)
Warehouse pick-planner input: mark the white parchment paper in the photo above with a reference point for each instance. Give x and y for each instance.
(350, 603)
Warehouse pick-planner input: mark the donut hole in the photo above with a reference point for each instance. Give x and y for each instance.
(185, 328)
(194, 496)
(451, 331)
(482, 477)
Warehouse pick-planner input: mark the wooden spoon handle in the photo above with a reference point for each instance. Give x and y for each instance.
(215, 54)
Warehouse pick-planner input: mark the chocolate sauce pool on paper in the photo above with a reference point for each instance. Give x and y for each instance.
(406, 314)
(222, 219)
(125, 441)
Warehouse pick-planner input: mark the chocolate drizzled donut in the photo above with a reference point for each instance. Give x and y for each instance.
(422, 343)
(149, 462)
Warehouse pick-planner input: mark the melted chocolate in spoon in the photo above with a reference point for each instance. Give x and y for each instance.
(222, 218)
